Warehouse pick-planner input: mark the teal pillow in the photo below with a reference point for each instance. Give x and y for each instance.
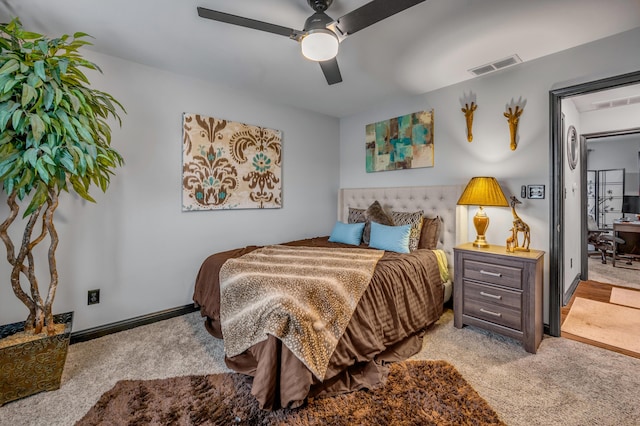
(347, 233)
(390, 238)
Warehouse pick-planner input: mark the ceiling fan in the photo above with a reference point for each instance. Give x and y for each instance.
(321, 35)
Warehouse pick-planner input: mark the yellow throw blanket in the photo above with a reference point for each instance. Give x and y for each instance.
(442, 265)
(304, 296)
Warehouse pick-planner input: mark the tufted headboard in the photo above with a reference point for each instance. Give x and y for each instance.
(433, 200)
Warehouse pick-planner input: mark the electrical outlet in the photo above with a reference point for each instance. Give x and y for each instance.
(93, 297)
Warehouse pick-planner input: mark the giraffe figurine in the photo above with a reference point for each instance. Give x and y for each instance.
(519, 226)
(510, 241)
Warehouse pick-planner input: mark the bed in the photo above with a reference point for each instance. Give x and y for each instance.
(401, 299)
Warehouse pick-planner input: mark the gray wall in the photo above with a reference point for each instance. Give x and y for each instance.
(135, 244)
(456, 160)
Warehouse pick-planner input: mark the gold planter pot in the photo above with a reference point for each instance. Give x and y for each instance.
(32, 367)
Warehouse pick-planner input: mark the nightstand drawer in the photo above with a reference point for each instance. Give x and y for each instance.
(489, 294)
(492, 273)
(499, 291)
(497, 314)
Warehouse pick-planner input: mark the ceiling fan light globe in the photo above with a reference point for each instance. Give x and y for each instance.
(320, 45)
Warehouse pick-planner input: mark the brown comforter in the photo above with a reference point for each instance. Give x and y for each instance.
(404, 297)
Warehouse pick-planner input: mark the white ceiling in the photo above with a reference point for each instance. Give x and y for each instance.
(610, 98)
(426, 47)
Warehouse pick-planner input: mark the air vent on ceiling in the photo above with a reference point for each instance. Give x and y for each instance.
(616, 102)
(496, 65)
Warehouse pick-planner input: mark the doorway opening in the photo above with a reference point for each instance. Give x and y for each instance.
(612, 207)
(557, 207)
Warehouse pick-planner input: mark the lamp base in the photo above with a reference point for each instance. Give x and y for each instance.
(480, 242)
(481, 223)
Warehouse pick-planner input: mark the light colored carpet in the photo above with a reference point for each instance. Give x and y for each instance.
(622, 296)
(607, 323)
(621, 274)
(565, 383)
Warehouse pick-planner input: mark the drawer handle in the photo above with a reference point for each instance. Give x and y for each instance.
(493, 274)
(495, 314)
(493, 296)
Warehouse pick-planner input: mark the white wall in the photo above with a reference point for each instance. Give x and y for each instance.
(135, 244)
(456, 160)
(572, 199)
(617, 153)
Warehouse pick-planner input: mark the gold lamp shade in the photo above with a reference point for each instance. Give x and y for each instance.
(482, 191)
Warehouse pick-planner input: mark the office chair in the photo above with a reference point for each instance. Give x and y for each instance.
(600, 240)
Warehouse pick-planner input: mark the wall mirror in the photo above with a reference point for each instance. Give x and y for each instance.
(572, 147)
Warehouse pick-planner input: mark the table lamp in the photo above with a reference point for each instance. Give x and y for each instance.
(482, 192)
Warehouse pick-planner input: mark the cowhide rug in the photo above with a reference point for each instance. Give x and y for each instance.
(416, 393)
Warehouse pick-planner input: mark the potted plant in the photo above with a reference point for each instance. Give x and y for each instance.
(54, 137)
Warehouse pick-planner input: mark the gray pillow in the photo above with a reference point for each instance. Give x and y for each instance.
(357, 216)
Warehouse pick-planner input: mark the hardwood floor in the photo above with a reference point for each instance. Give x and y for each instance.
(600, 292)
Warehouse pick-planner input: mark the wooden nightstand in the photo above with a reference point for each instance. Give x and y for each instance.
(499, 291)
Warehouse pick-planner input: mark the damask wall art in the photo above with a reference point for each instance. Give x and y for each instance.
(404, 142)
(229, 165)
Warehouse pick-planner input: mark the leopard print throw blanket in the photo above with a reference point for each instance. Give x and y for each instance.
(304, 296)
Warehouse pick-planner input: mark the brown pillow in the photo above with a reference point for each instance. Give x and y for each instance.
(430, 234)
(375, 213)
(415, 220)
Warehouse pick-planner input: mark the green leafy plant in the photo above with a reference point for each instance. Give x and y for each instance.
(54, 136)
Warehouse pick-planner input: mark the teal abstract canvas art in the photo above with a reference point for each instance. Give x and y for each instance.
(404, 142)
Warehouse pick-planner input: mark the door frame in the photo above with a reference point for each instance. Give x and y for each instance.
(556, 205)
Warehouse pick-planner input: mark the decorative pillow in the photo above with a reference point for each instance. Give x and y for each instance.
(375, 213)
(347, 233)
(415, 220)
(430, 234)
(356, 216)
(390, 238)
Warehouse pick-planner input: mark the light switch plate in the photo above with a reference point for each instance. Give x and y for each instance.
(535, 191)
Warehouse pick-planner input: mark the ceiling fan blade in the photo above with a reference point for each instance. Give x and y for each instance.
(370, 13)
(331, 71)
(249, 23)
